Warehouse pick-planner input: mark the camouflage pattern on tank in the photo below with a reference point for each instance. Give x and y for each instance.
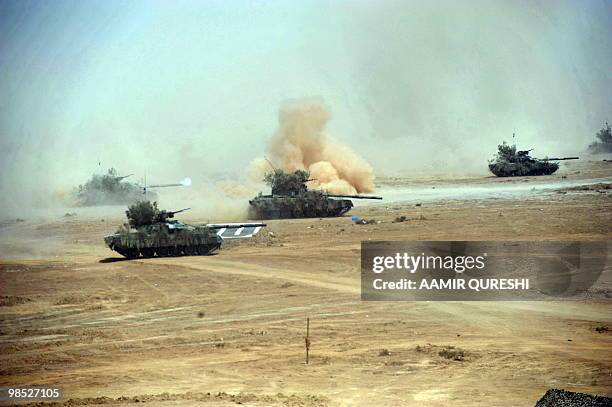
(291, 198)
(512, 163)
(109, 189)
(150, 232)
(311, 204)
(164, 239)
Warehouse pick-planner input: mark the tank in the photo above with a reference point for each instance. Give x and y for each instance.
(109, 189)
(512, 163)
(290, 198)
(151, 232)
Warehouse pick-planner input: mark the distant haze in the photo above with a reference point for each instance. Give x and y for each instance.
(193, 89)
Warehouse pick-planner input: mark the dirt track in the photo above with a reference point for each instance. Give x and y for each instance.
(78, 316)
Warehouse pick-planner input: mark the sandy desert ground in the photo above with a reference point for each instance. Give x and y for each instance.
(229, 329)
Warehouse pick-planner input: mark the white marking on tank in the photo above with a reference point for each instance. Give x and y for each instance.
(238, 232)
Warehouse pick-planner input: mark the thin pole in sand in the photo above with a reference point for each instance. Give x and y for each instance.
(307, 339)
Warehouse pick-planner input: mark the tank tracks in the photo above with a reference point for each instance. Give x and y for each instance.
(168, 251)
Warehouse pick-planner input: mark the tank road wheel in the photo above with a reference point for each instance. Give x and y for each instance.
(176, 251)
(203, 250)
(162, 251)
(131, 253)
(190, 250)
(147, 252)
(309, 212)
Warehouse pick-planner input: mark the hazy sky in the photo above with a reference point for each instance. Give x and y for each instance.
(189, 88)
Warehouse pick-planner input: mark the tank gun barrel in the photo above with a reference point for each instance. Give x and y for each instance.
(354, 196)
(562, 158)
(165, 185)
(172, 213)
(123, 177)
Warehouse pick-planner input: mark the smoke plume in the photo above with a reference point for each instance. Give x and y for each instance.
(301, 143)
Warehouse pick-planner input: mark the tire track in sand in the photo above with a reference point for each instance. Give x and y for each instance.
(210, 264)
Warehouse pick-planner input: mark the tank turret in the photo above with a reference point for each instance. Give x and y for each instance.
(291, 198)
(163, 216)
(288, 184)
(150, 232)
(512, 163)
(108, 189)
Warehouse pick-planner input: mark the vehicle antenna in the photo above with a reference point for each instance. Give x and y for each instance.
(270, 163)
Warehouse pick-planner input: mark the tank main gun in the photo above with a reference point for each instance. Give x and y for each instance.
(184, 183)
(353, 196)
(176, 184)
(121, 178)
(525, 154)
(172, 213)
(163, 215)
(562, 158)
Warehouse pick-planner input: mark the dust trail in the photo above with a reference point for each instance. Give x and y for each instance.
(301, 143)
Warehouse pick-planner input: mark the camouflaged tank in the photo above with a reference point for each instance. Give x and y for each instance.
(109, 189)
(511, 163)
(150, 232)
(291, 198)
